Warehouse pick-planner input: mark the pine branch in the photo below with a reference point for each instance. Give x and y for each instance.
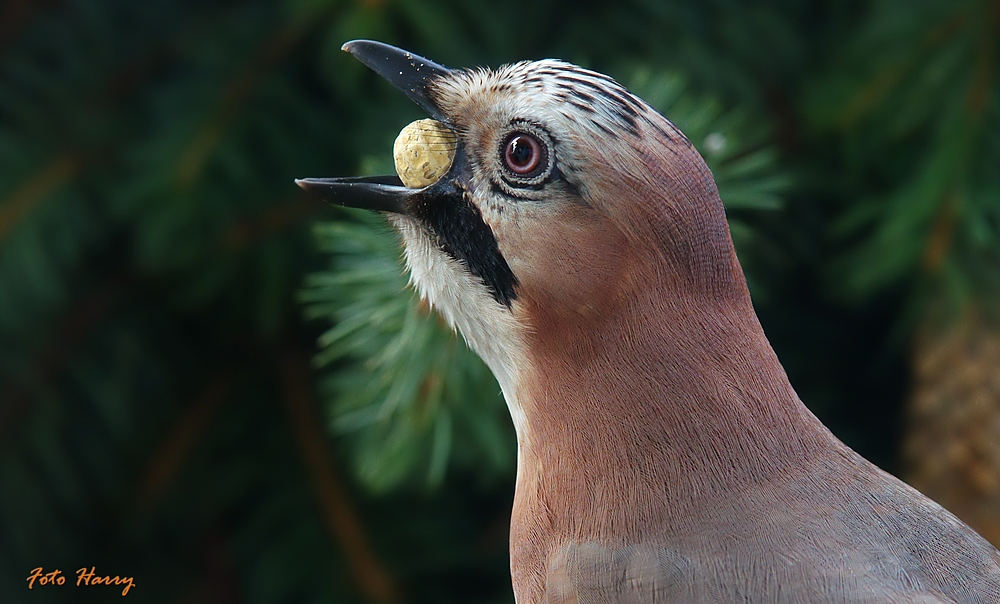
(14, 16)
(206, 139)
(35, 190)
(165, 463)
(79, 322)
(339, 516)
(275, 219)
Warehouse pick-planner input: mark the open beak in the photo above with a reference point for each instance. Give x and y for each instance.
(412, 75)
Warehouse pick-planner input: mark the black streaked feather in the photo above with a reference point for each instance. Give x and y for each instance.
(460, 231)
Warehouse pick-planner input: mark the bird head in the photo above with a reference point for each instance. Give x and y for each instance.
(571, 208)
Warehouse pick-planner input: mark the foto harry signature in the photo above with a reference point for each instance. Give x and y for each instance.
(83, 577)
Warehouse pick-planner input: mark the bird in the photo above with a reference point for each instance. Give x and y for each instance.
(577, 242)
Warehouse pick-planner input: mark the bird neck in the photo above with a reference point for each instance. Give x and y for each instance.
(667, 402)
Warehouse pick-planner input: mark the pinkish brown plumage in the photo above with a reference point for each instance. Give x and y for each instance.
(579, 245)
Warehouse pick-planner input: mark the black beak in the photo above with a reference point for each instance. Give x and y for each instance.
(379, 193)
(411, 74)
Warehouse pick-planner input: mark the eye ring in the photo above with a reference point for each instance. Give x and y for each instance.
(525, 155)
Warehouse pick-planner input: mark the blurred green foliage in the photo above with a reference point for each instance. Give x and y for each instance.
(406, 390)
(159, 415)
(918, 85)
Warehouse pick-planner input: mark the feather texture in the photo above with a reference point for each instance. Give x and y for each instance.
(663, 454)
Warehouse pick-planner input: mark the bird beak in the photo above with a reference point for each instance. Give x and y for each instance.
(409, 73)
(412, 75)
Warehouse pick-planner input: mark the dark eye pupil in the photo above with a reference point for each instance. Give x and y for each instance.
(520, 152)
(523, 153)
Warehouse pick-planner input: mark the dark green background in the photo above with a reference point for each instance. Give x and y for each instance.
(163, 283)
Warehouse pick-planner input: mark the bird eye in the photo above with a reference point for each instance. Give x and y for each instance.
(525, 158)
(523, 154)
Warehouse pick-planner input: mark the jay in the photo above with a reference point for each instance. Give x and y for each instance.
(576, 239)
